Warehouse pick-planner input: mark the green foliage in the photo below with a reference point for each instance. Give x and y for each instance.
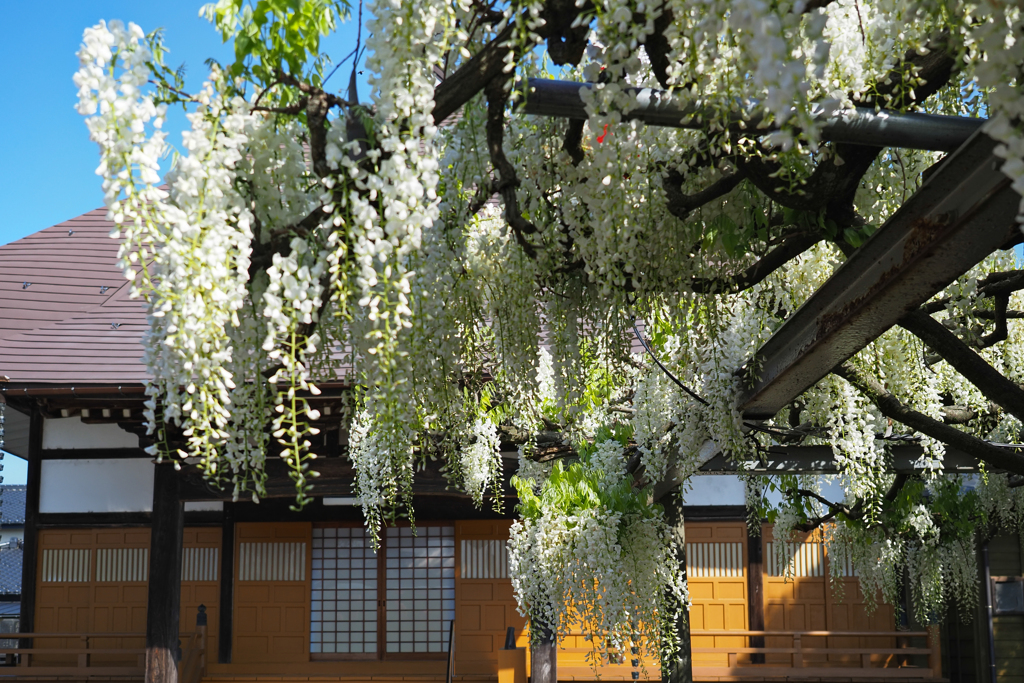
(169, 82)
(622, 433)
(579, 488)
(273, 35)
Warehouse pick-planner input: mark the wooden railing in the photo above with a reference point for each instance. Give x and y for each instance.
(799, 659)
(130, 662)
(822, 655)
(47, 661)
(192, 666)
(83, 654)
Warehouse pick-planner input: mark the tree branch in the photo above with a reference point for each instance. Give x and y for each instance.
(964, 360)
(573, 143)
(833, 510)
(1002, 302)
(892, 407)
(507, 181)
(472, 76)
(916, 77)
(681, 204)
(785, 252)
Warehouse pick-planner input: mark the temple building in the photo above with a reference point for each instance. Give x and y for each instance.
(269, 593)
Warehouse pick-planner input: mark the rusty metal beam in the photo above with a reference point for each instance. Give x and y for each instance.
(963, 212)
(860, 126)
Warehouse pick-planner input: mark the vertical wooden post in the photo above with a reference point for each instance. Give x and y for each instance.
(227, 584)
(30, 549)
(677, 667)
(543, 654)
(162, 614)
(755, 592)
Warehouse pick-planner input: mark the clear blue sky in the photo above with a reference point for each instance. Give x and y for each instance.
(47, 174)
(48, 169)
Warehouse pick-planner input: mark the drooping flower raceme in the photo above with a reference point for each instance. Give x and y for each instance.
(186, 248)
(589, 554)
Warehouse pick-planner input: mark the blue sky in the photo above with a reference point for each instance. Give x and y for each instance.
(48, 169)
(47, 174)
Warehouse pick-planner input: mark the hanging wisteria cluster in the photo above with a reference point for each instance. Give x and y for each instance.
(477, 280)
(591, 555)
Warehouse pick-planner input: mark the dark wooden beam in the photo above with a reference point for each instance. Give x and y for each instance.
(679, 668)
(336, 479)
(164, 601)
(114, 520)
(93, 453)
(54, 520)
(715, 513)
(30, 550)
(225, 631)
(755, 591)
(427, 508)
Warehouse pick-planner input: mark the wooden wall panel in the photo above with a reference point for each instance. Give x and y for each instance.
(484, 608)
(717, 579)
(813, 603)
(271, 618)
(1006, 559)
(195, 593)
(114, 605)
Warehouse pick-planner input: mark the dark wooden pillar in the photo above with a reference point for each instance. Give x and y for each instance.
(162, 614)
(30, 549)
(543, 655)
(755, 591)
(677, 667)
(227, 584)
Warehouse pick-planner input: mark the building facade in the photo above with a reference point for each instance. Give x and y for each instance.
(299, 594)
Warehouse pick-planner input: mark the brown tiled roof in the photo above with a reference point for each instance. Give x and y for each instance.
(64, 328)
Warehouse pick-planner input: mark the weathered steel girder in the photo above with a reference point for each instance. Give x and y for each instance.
(860, 126)
(963, 212)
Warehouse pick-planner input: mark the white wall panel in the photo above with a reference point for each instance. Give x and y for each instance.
(705, 560)
(484, 559)
(122, 564)
(66, 565)
(199, 564)
(71, 432)
(714, 489)
(272, 562)
(114, 485)
(204, 506)
(805, 559)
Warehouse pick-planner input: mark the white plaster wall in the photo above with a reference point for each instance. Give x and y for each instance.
(122, 485)
(204, 506)
(71, 432)
(714, 489)
(829, 488)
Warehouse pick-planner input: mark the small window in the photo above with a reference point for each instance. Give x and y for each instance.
(1008, 595)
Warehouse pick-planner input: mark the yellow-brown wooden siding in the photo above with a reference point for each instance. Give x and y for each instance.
(271, 611)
